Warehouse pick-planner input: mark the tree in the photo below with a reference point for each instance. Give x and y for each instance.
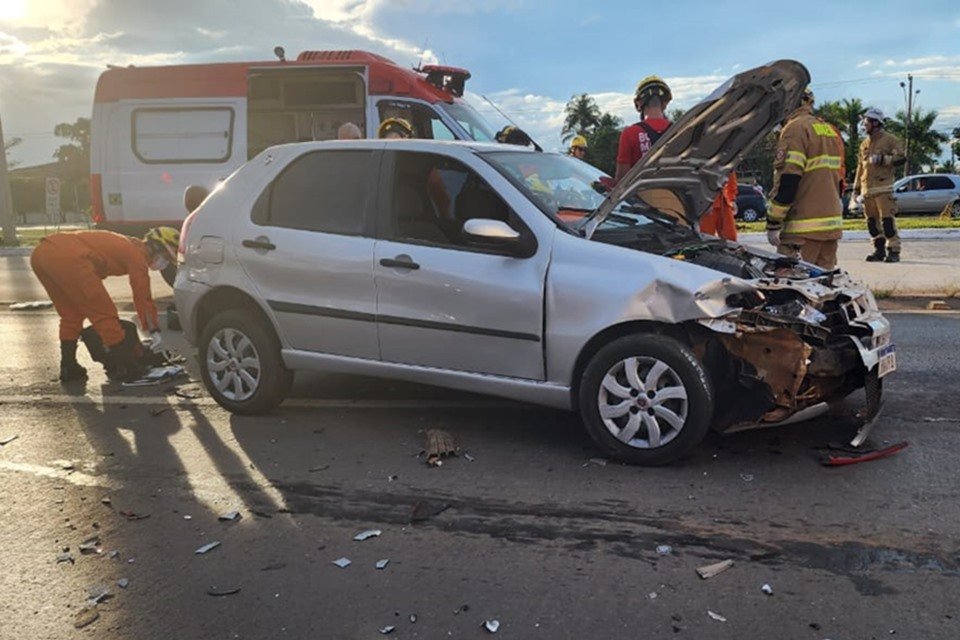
(76, 154)
(581, 117)
(673, 115)
(602, 143)
(925, 142)
(10, 144)
(955, 144)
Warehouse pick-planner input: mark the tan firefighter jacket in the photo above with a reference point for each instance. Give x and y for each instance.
(874, 179)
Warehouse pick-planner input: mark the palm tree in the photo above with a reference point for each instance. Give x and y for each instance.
(845, 115)
(602, 143)
(925, 141)
(581, 116)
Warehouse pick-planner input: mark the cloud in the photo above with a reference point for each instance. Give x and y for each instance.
(864, 64)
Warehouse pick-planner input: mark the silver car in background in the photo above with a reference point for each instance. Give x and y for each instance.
(928, 193)
(499, 270)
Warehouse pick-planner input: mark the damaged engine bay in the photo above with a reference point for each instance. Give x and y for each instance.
(799, 340)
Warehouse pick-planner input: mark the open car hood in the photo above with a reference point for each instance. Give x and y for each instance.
(689, 164)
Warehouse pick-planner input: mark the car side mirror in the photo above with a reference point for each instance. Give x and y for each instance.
(194, 196)
(491, 232)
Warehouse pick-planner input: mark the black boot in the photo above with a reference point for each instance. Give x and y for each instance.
(893, 256)
(879, 250)
(70, 369)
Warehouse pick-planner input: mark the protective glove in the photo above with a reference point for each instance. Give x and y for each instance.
(156, 342)
(773, 237)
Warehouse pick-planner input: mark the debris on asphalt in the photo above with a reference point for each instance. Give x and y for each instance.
(113, 554)
(188, 517)
(425, 509)
(130, 515)
(598, 462)
(85, 616)
(90, 545)
(343, 563)
(440, 444)
(463, 609)
(867, 456)
(31, 305)
(322, 467)
(468, 457)
(8, 440)
(65, 557)
(66, 465)
(106, 501)
(274, 566)
(123, 583)
(392, 478)
(156, 375)
(664, 550)
(366, 535)
(716, 616)
(925, 420)
(188, 393)
(767, 589)
(413, 618)
(709, 571)
(207, 547)
(387, 630)
(159, 411)
(230, 516)
(652, 595)
(382, 564)
(97, 594)
(746, 477)
(260, 513)
(491, 625)
(222, 591)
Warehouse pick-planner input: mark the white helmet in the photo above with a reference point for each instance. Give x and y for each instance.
(874, 114)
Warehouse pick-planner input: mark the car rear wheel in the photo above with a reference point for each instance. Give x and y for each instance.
(646, 399)
(750, 214)
(955, 210)
(241, 365)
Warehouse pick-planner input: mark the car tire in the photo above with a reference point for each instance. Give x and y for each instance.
(619, 410)
(749, 215)
(955, 210)
(240, 363)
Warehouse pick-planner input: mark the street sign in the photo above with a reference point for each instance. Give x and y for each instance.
(53, 196)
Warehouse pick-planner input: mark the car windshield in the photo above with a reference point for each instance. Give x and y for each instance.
(472, 122)
(570, 189)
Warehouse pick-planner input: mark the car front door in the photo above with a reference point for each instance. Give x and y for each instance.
(909, 198)
(308, 248)
(443, 301)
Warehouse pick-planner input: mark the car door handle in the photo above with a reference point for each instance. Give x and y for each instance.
(266, 245)
(399, 264)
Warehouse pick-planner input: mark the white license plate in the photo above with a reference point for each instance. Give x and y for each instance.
(888, 361)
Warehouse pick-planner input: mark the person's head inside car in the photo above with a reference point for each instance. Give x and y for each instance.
(395, 129)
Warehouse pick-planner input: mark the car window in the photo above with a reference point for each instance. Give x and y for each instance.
(939, 182)
(321, 191)
(433, 195)
(426, 122)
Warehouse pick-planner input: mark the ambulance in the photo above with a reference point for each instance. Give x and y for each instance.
(157, 130)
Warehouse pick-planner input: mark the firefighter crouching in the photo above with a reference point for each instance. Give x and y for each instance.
(805, 214)
(72, 267)
(880, 154)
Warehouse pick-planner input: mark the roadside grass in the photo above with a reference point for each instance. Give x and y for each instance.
(859, 224)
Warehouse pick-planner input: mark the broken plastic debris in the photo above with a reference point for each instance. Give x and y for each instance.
(716, 616)
(8, 440)
(652, 595)
(85, 616)
(413, 618)
(222, 591)
(65, 557)
(440, 444)
(491, 625)
(711, 570)
(836, 461)
(746, 477)
(468, 457)
(188, 517)
(387, 629)
(123, 583)
(113, 554)
(130, 515)
(230, 516)
(664, 549)
(156, 375)
(97, 594)
(599, 462)
(106, 501)
(382, 564)
(365, 535)
(207, 547)
(767, 589)
(343, 563)
(90, 545)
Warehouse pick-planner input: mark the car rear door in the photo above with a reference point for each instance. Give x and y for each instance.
(308, 248)
(441, 301)
(940, 192)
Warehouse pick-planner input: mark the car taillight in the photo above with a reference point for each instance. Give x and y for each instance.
(184, 230)
(97, 212)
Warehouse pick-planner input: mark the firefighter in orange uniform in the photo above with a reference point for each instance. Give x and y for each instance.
(805, 214)
(72, 267)
(721, 221)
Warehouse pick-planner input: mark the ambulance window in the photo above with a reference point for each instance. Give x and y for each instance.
(182, 135)
(425, 120)
(321, 191)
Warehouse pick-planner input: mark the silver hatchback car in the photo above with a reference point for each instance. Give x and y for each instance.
(500, 270)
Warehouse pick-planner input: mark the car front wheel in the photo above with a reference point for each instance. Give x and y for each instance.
(750, 215)
(646, 399)
(241, 365)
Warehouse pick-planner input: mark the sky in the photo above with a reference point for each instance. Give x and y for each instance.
(527, 56)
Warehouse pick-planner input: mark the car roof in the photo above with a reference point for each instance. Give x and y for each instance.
(411, 144)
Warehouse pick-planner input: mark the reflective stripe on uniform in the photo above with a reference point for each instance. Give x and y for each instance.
(876, 191)
(811, 225)
(777, 211)
(797, 157)
(822, 162)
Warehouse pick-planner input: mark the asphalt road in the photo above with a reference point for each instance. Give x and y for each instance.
(533, 534)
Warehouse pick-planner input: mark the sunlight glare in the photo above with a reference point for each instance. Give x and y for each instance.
(12, 9)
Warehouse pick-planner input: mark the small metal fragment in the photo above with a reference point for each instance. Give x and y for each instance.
(492, 625)
(600, 462)
(230, 516)
(365, 535)
(85, 616)
(468, 457)
(664, 549)
(106, 501)
(90, 545)
(382, 564)
(711, 570)
(387, 630)
(225, 591)
(123, 583)
(767, 589)
(97, 594)
(207, 547)
(8, 440)
(65, 557)
(343, 563)
(716, 616)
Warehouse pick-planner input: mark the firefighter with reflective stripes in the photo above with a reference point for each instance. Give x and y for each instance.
(880, 154)
(804, 217)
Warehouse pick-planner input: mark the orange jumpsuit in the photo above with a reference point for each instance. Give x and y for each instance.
(72, 266)
(720, 222)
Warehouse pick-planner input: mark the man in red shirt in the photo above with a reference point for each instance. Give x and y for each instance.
(651, 100)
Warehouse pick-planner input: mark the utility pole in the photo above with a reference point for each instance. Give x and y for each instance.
(906, 141)
(6, 200)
